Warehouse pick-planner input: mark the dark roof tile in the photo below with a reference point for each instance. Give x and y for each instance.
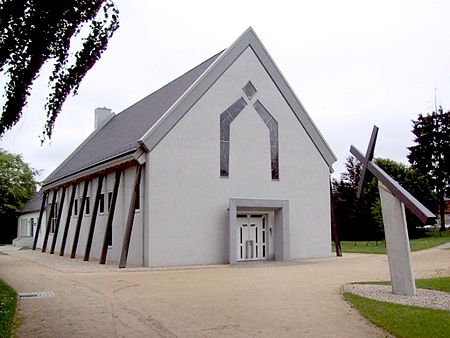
(122, 132)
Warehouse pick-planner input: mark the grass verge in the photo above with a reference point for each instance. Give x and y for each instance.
(8, 302)
(372, 247)
(407, 321)
(437, 283)
(401, 320)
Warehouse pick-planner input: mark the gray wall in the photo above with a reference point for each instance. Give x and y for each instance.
(187, 200)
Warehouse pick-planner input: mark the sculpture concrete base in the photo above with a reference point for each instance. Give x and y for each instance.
(397, 243)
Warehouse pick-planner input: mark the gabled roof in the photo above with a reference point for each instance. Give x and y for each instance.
(145, 124)
(34, 204)
(120, 135)
(247, 40)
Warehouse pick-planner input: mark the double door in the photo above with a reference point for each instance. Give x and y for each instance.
(252, 237)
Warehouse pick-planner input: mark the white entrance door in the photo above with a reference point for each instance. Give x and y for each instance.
(251, 237)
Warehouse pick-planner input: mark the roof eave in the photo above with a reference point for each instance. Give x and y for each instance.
(128, 156)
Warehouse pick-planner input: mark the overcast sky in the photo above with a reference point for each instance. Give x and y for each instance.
(352, 64)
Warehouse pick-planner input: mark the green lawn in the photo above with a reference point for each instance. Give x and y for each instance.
(8, 301)
(407, 321)
(379, 247)
(440, 283)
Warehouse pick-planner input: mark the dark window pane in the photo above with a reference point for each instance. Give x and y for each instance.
(75, 207)
(101, 206)
(262, 111)
(274, 162)
(224, 158)
(249, 90)
(225, 120)
(110, 196)
(137, 202)
(272, 124)
(273, 128)
(237, 107)
(87, 206)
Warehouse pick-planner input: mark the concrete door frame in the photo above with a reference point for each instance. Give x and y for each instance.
(281, 224)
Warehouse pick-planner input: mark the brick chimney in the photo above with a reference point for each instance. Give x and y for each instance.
(102, 115)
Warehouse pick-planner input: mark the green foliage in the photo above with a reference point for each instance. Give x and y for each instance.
(354, 219)
(416, 184)
(401, 320)
(8, 302)
(362, 219)
(431, 154)
(33, 32)
(17, 183)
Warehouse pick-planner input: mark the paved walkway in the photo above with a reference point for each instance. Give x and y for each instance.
(296, 299)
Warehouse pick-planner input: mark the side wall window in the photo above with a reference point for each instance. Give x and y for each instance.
(110, 196)
(75, 207)
(54, 218)
(101, 205)
(87, 206)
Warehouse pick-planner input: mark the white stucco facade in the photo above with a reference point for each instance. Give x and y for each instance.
(26, 228)
(187, 200)
(191, 210)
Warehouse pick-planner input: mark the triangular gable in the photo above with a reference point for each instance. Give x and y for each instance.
(249, 39)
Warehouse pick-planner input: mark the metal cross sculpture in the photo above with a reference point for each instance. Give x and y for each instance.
(393, 200)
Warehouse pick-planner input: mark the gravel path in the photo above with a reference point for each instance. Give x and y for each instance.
(274, 299)
(424, 298)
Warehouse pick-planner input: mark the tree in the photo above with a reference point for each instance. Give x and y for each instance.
(17, 186)
(416, 184)
(431, 154)
(33, 32)
(354, 218)
(362, 219)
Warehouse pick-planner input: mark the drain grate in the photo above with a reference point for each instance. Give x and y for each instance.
(39, 294)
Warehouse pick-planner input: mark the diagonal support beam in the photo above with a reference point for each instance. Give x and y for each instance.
(41, 213)
(87, 252)
(130, 219)
(49, 221)
(60, 209)
(367, 159)
(79, 220)
(410, 202)
(112, 208)
(69, 216)
(334, 233)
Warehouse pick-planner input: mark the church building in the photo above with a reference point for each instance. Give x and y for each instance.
(221, 165)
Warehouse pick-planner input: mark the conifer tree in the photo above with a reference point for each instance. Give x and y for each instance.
(431, 154)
